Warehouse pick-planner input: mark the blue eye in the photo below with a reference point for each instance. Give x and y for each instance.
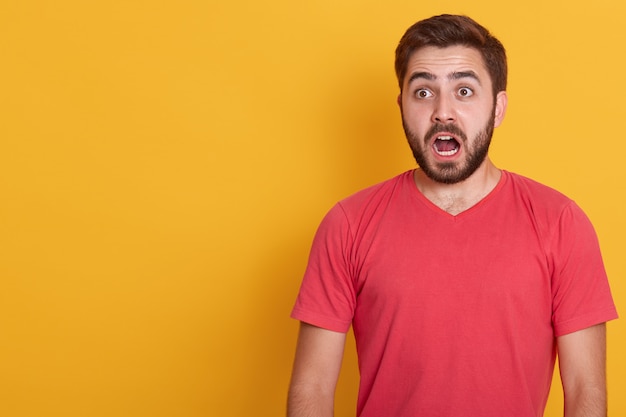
(465, 92)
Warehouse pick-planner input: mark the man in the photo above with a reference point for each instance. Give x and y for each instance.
(461, 281)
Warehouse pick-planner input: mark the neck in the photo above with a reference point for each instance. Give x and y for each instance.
(456, 198)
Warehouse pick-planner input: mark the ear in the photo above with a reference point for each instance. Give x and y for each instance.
(500, 108)
(399, 99)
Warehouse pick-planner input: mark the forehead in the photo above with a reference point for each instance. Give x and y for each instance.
(442, 62)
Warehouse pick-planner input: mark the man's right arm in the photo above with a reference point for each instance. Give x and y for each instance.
(319, 354)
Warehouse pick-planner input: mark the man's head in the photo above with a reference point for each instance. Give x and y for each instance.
(451, 30)
(452, 76)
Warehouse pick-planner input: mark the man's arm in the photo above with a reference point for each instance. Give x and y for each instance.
(315, 372)
(582, 362)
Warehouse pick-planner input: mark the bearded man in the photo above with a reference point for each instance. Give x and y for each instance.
(461, 281)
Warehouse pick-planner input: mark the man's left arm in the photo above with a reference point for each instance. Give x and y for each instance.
(582, 362)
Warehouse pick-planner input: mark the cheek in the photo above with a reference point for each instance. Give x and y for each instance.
(416, 114)
(415, 125)
(474, 118)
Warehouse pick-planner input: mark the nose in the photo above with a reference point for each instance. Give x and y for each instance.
(443, 111)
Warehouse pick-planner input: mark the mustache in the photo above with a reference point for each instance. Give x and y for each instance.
(449, 128)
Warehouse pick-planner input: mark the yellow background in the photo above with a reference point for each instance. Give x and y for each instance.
(164, 165)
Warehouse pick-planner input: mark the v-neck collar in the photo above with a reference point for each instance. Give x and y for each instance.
(465, 213)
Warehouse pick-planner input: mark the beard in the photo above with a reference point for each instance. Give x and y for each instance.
(451, 172)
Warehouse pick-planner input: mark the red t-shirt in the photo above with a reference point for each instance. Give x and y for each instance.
(455, 315)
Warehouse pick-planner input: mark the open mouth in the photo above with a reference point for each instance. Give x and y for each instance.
(446, 145)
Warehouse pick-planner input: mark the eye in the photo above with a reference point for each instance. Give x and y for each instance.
(465, 92)
(423, 93)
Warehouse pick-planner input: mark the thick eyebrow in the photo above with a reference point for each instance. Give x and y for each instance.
(457, 75)
(422, 75)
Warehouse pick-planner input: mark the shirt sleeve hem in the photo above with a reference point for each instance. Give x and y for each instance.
(580, 323)
(324, 322)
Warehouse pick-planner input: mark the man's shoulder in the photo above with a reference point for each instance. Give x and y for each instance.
(544, 203)
(375, 193)
(535, 190)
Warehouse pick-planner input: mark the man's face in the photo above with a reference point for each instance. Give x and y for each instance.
(449, 112)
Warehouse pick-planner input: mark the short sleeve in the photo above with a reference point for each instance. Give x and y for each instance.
(327, 296)
(581, 296)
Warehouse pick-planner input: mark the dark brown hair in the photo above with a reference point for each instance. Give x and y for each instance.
(450, 30)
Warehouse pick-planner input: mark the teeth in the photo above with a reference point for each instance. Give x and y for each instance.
(447, 153)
